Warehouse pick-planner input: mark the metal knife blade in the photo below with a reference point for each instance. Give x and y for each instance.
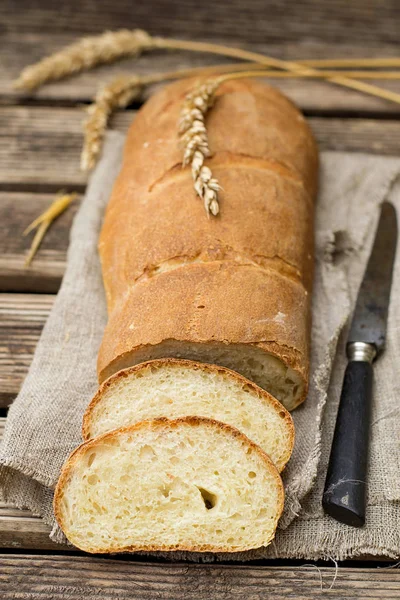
(371, 311)
(344, 496)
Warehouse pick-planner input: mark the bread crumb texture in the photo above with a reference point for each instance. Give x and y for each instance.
(188, 484)
(178, 388)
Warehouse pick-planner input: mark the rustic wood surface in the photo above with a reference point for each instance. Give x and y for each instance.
(22, 317)
(40, 142)
(40, 148)
(79, 578)
(369, 22)
(312, 96)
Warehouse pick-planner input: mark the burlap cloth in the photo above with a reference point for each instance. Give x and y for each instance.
(44, 422)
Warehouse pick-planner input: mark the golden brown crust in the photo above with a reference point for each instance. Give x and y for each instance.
(248, 118)
(179, 363)
(205, 303)
(159, 423)
(162, 258)
(253, 198)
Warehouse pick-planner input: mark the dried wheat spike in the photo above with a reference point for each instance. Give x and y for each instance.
(193, 135)
(84, 55)
(43, 222)
(117, 94)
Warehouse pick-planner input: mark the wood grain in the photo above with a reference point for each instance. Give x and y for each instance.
(17, 210)
(40, 148)
(368, 22)
(21, 49)
(80, 577)
(22, 317)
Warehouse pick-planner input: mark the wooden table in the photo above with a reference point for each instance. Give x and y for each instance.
(39, 154)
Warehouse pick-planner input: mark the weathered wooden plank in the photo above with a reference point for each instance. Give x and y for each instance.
(25, 532)
(368, 22)
(20, 49)
(40, 148)
(80, 577)
(22, 317)
(357, 135)
(17, 210)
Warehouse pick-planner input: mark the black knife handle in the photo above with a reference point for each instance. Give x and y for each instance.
(344, 496)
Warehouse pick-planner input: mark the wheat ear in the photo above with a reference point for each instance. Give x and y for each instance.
(121, 91)
(110, 46)
(193, 136)
(119, 94)
(43, 222)
(84, 55)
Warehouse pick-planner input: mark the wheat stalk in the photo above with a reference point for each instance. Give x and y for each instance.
(43, 222)
(118, 94)
(351, 63)
(121, 91)
(357, 85)
(269, 61)
(193, 133)
(84, 55)
(322, 74)
(110, 46)
(193, 136)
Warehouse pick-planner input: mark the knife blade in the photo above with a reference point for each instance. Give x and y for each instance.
(344, 496)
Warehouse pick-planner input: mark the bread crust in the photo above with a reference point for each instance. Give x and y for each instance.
(160, 423)
(208, 303)
(249, 118)
(158, 249)
(179, 363)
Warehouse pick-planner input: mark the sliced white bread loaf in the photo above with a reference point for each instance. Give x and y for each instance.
(186, 484)
(175, 388)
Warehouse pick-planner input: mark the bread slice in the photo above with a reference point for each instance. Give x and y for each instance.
(186, 484)
(177, 388)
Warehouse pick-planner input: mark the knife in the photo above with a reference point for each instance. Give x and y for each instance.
(344, 496)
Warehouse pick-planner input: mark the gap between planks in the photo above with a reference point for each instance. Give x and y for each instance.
(80, 577)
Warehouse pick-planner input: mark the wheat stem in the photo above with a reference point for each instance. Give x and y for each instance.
(357, 85)
(351, 63)
(275, 62)
(43, 222)
(111, 46)
(322, 74)
(120, 92)
(273, 73)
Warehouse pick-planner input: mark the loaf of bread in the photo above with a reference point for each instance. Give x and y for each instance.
(232, 290)
(188, 484)
(174, 388)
